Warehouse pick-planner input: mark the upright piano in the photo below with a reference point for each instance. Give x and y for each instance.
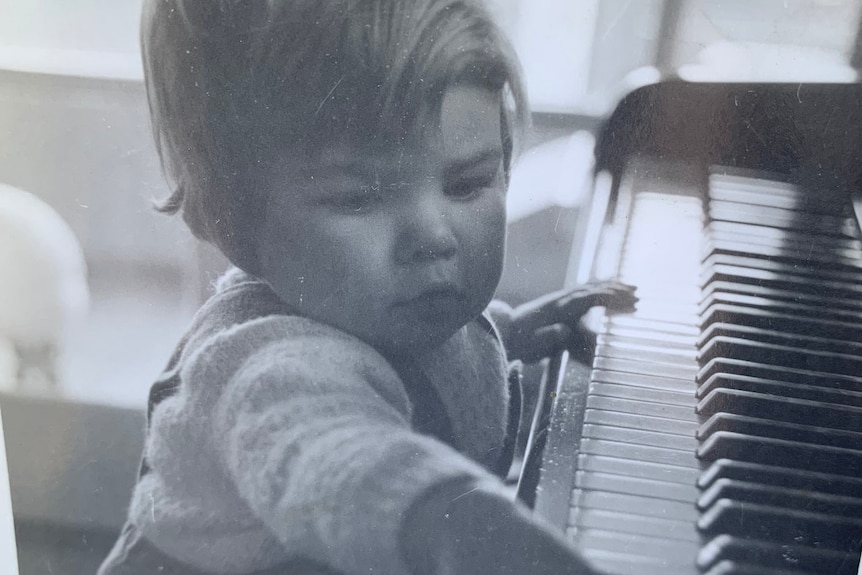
(719, 427)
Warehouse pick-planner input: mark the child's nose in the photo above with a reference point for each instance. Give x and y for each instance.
(426, 233)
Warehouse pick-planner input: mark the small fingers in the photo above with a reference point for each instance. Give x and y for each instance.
(618, 297)
(596, 290)
(614, 289)
(615, 296)
(568, 306)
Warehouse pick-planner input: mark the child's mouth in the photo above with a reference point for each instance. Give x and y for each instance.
(436, 302)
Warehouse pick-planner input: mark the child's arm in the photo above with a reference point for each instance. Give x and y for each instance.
(541, 327)
(314, 434)
(463, 527)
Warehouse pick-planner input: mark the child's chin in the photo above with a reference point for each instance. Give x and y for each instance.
(421, 337)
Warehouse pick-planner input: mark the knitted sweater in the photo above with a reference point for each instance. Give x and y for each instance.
(274, 438)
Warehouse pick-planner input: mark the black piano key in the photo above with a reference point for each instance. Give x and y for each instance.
(773, 187)
(761, 192)
(813, 434)
(765, 235)
(767, 475)
(808, 324)
(777, 556)
(836, 226)
(787, 409)
(780, 355)
(769, 523)
(765, 232)
(769, 191)
(719, 289)
(839, 289)
(796, 340)
(726, 365)
(781, 388)
(795, 275)
(834, 259)
(822, 309)
(781, 452)
(781, 496)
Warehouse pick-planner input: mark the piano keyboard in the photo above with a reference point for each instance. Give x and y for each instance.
(722, 428)
(780, 386)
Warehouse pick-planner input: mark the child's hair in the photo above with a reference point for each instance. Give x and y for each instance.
(231, 82)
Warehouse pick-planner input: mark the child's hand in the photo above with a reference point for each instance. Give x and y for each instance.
(462, 529)
(539, 328)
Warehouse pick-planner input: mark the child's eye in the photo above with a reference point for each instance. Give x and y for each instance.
(467, 188)
(359, 201)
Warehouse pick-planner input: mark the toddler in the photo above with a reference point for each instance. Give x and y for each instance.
(340, 405)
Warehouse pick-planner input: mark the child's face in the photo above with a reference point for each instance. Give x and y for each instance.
(400, 247)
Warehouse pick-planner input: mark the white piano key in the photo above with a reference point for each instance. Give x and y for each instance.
(644, 422)
(683, 399)
(672, 554)
(622, 342)
(634, 504)
(617, 563)
(643, 380)
(658, 326)
(638, 468)
(635, 524)
(646, 453)
(636, 486)
(639, 407)
(640, 437)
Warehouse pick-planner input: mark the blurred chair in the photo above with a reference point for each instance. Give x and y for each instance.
(43, 290)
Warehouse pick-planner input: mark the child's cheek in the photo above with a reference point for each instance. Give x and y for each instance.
(488, 226)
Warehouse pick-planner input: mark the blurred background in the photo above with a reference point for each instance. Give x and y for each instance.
(76, 158)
